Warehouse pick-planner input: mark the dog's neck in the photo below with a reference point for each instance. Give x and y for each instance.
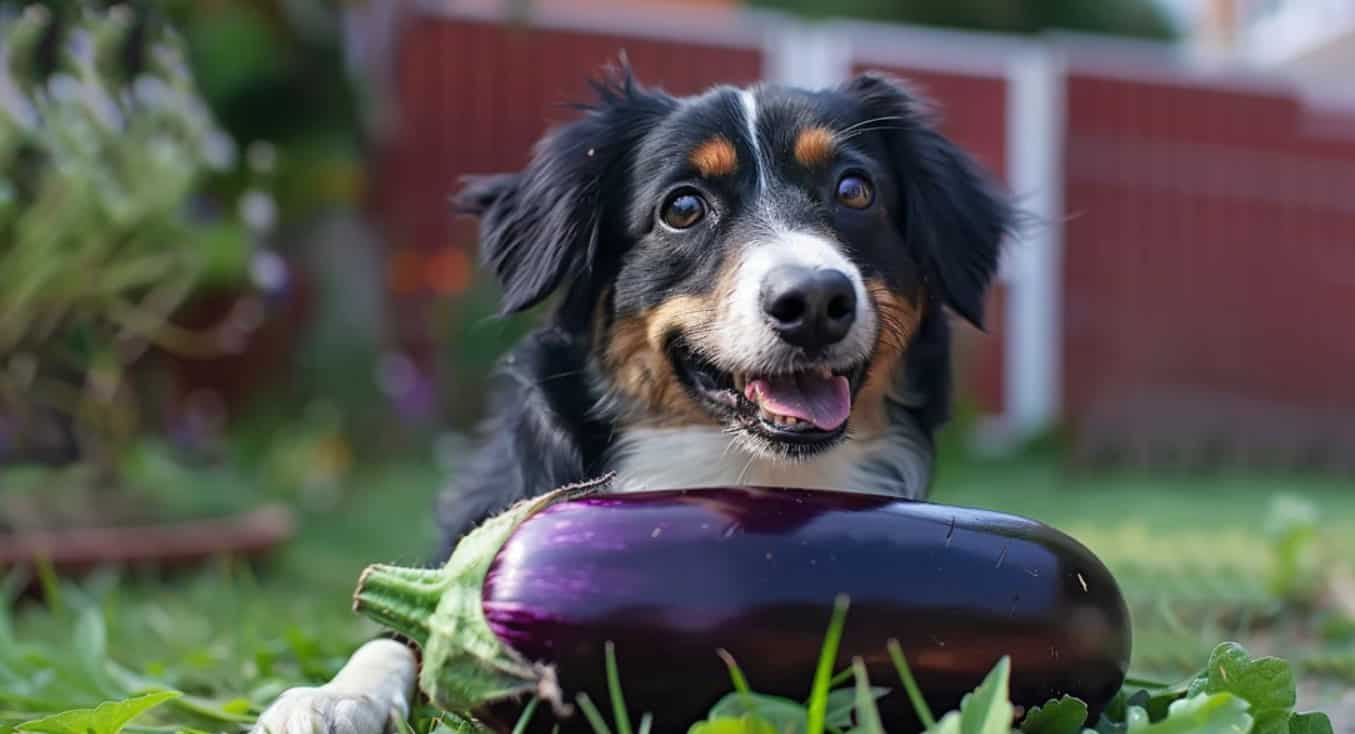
(699, 456)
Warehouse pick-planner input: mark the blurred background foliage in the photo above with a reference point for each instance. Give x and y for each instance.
(1129, 18)
(183, 253)
(103, 147)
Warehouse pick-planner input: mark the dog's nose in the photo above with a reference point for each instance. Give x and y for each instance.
(810, 308)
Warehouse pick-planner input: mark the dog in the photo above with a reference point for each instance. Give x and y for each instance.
(748, 286)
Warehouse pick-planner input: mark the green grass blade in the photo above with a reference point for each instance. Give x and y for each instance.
(818, 697)
(842, 676)
(739, 680)
(590, 712)
(51, 588)
(402, 726)
(614, 688)
(735, 673)
(646, 723)
(924, 713)
(1145, 683)
(867, 714)
(526, 717)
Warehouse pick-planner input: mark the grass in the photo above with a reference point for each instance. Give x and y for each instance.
(230, 633)
(1189, 553)
(1192, 557)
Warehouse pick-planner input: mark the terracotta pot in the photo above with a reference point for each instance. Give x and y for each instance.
(163, 546)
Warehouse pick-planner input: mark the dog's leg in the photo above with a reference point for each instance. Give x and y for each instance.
(374, 686)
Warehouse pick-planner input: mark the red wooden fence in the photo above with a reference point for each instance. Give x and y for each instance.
(475, 95)
(1209, 279)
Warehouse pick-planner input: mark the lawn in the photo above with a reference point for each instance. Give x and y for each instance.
(1191, 554)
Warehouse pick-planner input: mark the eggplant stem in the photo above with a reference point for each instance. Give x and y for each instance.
(400, 598)
(465, 666)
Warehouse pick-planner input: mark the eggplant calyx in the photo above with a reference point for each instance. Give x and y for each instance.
(465, 666)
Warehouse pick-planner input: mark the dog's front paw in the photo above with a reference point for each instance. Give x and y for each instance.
(325, 711)
(366, 697)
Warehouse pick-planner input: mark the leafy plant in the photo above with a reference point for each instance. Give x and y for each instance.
(107, 718)
(1292, 529)
(104, 147)
(1234, 694)
(1134, 18)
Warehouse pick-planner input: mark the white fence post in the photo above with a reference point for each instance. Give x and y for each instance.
(813, 56)
(1033, 268)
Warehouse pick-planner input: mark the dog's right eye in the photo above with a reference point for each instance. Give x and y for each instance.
(683, 210)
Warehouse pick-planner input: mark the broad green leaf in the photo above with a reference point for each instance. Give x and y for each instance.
(1218, 713)
(988, 709)
(1158, 700)
(1271, 721)
(1059, 716)
(1107, 725)
(1112, 717)
(1136, 717)
(1266, 683)
(106, 718)
(948, 724)
(1310, 723)
(730, 725)
(452, 723)
(843, 702)
(783, 714)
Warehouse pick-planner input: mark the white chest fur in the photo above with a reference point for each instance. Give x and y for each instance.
(666, 458)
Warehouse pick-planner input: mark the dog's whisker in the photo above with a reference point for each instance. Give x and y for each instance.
(746, 467)
(882, 118)
(730, 445)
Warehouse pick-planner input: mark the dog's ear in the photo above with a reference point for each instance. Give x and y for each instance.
(541, 228)
(955, 216)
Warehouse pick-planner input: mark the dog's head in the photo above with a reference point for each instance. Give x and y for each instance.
(755, 259)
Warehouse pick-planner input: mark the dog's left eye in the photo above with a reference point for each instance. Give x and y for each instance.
(683, 210)
(855, 192)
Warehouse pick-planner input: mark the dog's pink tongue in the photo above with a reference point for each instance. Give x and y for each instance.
(824, 401)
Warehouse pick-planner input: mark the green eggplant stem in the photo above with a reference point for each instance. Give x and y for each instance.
(465, 667)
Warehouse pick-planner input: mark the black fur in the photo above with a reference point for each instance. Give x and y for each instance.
(580, 220)
(955, 218)
(542, 228)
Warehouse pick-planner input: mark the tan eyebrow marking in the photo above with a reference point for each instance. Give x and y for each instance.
(715, 157)
(814, 146)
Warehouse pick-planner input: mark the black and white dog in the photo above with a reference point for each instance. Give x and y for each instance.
(749, 287)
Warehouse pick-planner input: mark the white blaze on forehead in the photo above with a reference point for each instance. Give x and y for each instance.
(749, 101)
(748, 338)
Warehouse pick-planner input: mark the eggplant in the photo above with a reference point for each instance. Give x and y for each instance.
(529, 601)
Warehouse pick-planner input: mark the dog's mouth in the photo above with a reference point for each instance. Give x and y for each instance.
(797, 411)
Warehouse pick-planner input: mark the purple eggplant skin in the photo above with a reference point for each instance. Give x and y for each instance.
(670, 577)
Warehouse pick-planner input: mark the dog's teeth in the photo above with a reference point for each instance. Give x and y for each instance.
(776, 419)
